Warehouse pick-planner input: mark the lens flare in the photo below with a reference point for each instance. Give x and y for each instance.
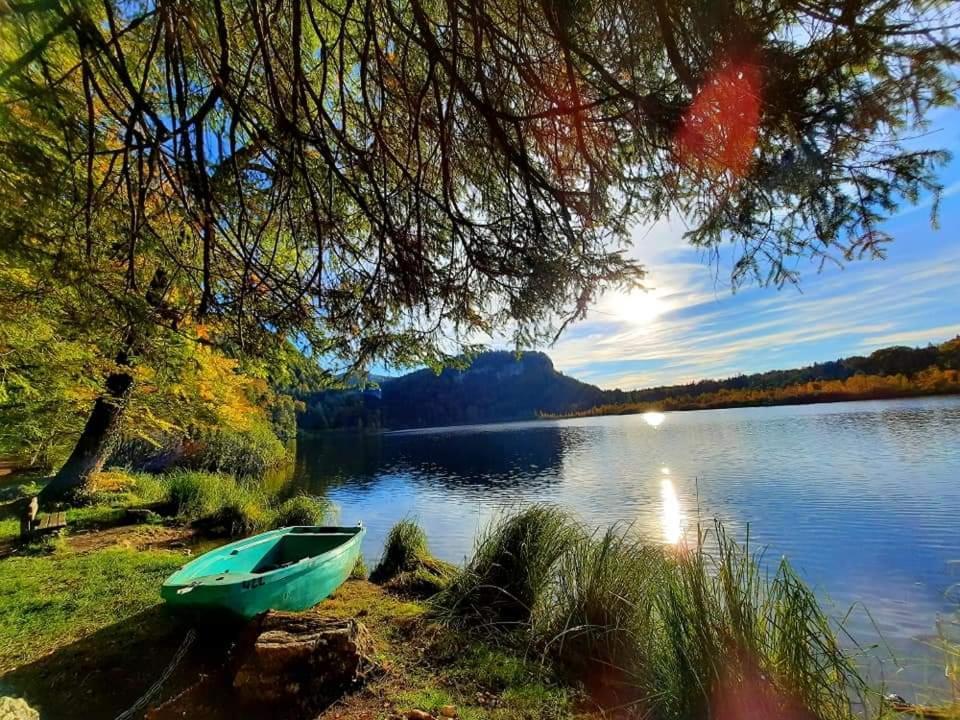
(718, 134)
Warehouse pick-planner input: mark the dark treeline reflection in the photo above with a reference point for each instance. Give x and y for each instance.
(460, 460)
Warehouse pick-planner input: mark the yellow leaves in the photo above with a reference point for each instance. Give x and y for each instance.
(162, 424)
(229, 396)
(932, 381)
(111, 481)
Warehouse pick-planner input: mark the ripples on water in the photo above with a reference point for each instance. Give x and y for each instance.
(863, 498)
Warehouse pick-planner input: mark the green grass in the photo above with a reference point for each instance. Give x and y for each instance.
(220, 504)
(668, 634)
(407, 566)
(50, 600)
(359, 571)
(12, 491)
(93, 516)
(433, 665)
(405, 546)
(223, 505)
(216, 503)
(9, 529)
(520, 687)
(732, 630)
(601, 607)
(128, 489)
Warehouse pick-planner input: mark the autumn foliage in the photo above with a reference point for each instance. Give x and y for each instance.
(932, 381)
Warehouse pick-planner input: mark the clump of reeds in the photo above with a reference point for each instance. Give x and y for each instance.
(219, 503)
(359, 571)
(512, 569)
(407, 566)
(223, 505)
(405, 545)
(599, 622)
(671, 633)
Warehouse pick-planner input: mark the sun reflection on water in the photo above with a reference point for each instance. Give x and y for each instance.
(653, 419)
(672, 515)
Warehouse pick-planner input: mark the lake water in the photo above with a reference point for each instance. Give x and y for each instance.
(863, 498)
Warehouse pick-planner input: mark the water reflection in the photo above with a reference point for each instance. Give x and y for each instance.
(468, 461)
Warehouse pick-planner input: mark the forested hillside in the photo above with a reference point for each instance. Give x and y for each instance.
(499, 386)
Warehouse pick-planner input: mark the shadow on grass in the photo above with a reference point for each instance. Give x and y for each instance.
(106, 672)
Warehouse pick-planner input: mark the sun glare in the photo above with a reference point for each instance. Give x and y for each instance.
(653, 419)
(639, 307)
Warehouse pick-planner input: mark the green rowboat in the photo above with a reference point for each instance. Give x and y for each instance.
(292, 568)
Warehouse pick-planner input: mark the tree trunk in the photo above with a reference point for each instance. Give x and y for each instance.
(102, 432)
(97, 441)
(301, 660)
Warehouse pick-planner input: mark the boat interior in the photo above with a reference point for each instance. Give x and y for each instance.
(272, 553)
(295, 546)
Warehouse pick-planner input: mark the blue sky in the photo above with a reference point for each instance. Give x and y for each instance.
(691, 326)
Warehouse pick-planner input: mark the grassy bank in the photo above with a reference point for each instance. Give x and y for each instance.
(57, 590)
(686, 632)
(57, 596)
(215, 504)
(82, 625)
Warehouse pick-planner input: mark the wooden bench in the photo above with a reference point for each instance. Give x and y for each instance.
(43, 524)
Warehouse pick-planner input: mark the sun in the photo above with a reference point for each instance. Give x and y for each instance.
(640, 308)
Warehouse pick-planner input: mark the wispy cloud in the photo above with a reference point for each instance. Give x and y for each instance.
(688, 328)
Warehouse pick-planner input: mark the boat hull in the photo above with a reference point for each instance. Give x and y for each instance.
(231, 580)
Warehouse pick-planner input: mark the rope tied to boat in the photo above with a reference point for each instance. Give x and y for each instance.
(145, 699)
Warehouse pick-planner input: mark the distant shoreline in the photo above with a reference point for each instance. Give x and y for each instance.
(631, 409)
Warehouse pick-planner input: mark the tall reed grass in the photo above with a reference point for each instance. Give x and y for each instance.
(512, 569)
(222, 504)
(659, 633)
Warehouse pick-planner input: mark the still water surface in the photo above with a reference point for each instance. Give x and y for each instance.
(863, 498)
